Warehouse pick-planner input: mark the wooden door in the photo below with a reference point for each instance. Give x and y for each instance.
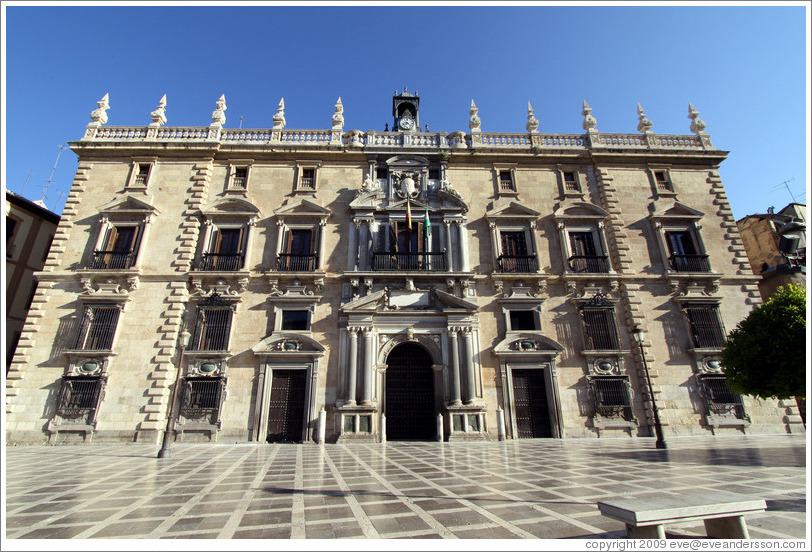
(286, 408)
(530, 404)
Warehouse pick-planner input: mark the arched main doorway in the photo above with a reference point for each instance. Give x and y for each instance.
(410, 411)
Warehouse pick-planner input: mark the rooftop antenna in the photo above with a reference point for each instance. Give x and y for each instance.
(241, 122)
(785, 185)
(22, 192)
(51, 178)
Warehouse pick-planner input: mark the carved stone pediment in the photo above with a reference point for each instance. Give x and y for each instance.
(528, 343)
(664, 210)
(128, 205)
(288, 343)
(231, 207)
(512, 211)
(226, 286)
(408, 300)
(302, 208)
(114, 287)
(578, 210)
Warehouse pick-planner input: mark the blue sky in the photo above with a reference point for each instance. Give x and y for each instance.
(743, 67)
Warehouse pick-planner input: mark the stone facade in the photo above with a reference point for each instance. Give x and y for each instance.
(276, 273)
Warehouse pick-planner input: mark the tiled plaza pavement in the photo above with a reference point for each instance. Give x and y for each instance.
(512, 489)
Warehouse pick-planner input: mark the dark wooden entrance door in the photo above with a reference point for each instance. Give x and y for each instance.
(410, 394)
(530, 404)
(287, 402)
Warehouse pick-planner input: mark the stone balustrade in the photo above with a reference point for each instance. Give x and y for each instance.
(418, 140)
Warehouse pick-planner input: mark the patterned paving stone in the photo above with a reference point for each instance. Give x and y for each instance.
(489, 490)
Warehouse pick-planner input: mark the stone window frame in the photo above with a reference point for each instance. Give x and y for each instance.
(231, 178)
(212, 225)
(279, 308)
(595, 223)
(606, 304)
(498, 169)
(110, 223)
(696, 302)
(529, 229)
(135, 166)
(693, 227)
(561, 170)
(299, 186)
(652, 170)
(211, 302)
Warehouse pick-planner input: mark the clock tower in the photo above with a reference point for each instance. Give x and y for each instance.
(405, 110)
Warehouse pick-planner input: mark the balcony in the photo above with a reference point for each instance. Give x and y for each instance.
(592, 264)
(517, 263)
(112, 260)
(421, 262)
(223, 262)
(689, 263)
(288, 262)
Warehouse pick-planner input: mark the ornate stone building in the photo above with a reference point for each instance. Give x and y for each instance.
(303, 285)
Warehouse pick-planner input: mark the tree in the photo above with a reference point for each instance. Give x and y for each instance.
(765, 355)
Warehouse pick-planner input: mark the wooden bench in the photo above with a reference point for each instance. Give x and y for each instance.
(646, 516)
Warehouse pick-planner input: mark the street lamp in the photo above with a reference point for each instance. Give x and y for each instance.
(183, 342)
(658, 428)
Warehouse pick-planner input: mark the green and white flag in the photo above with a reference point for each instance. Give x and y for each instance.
(426, 232)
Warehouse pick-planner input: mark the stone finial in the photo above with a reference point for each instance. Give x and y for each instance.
(159, 115)
(644, 125)
(218, 118)
(279, 118)
(473, 122)
(532, 122)
(697, 124)
(589, 120)
(338, 116)
(99, 115)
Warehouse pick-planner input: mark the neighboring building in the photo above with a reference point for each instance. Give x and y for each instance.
(30, 227)
(776, 246)
(399, 284)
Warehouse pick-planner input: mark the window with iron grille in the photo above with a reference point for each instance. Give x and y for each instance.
(201, 396)
(570, 182)
(720, 398)
(599, 328)
(226, 250)
(308, 180)
(663, 181)
(97, 328)
(506, 183)
(142, 174)
(240, 178)
(612, 397)
(706, 326)
(212, 328)
(79, 395)
(684, 255)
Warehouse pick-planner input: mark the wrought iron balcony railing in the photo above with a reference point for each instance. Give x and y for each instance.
(78, 395)
(288, 262)
(689, 263)
(594, 264)
(221, 261)
(517, 263)
(422, 262)
(112, 260)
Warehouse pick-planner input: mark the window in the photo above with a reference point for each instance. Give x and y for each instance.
(201, 396)
(98, 328)
(79, 395)
(720, 399)
(585, 253)
(515, 255)
(705, 326)
(523, 320)
(307, 178)
(11, 225)
(212, 326)
(402, 248)
(570, 182)
(296, 320)
(506, 183)
(241, 177)
(298, 255)
(612, 396)
(434, 174)
(381, 173)
(140, 173)
(118, 248)
(225, 250)
(600, 331)
(684, 255)
(239, 171)
(663, 181)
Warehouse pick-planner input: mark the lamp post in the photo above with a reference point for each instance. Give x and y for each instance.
(658, 428)
(165, 452)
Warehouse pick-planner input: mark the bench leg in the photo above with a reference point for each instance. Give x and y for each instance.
(727, 528)
(647, 532)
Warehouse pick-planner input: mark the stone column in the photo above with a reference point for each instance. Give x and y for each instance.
(353, 245)
(249, 241)
(448, 247)
(468, 355)
(497, 245)
(535, 239)
(464, 264)
(352, 366)
(142, 242)
(363, 249)
(366, 384)
(280, 234)
(455, 367)
(320, 254)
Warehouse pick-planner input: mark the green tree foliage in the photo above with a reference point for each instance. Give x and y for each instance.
(765, 355)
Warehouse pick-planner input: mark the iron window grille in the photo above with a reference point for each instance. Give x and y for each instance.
(201, 397)
(79, 395)
(98, 328)
(142, 176)
(600, 329)
(570, 182)
(240, 178)
(612, 396)
(721, 400)
(212, 325)
(308, 180)
(506, 183)
(706, 326)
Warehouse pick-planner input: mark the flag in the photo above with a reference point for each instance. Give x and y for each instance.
(408, 225)
(427, 232)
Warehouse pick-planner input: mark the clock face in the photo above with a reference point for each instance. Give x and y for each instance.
(406, 123)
